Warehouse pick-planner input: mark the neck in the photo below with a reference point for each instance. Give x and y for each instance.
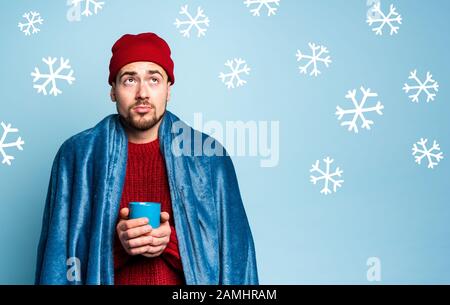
(142, 137)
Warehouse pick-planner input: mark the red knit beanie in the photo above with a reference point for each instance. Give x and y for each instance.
(142, 47)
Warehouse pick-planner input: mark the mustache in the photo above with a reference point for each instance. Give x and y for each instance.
(141, 103)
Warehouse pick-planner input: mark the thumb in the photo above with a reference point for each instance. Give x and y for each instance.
(164, 216)
(124, 213)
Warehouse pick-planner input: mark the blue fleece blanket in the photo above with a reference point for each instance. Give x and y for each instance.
(82, 205)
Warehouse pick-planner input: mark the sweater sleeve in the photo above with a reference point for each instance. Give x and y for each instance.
(171, 254)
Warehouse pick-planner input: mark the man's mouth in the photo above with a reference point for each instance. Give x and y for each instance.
(142, 109)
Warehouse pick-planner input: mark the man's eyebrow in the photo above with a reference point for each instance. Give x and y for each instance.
(133, 73)
(155, 72)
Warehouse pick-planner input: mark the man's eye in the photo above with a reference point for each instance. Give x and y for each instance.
(129, 80)
(155, 80)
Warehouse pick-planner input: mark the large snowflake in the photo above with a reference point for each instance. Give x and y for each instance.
(233, 79)
(318, 56)
(200, 19)
(359, 110)
(379, 17)
(271, 6)
(327, 175)
(97, 5)
(421, 151)
(18, 143)
(52, 76)
(429, 86)
(33, 18)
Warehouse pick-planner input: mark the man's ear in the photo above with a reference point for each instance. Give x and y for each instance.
(112, 94)
(168, 91)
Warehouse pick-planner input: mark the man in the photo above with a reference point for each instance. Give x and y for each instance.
(135, 155)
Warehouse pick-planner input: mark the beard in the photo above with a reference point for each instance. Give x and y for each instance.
(141, 122)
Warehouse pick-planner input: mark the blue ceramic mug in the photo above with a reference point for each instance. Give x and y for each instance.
(150, 210)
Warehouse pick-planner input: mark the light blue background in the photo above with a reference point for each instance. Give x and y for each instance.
(388, 207)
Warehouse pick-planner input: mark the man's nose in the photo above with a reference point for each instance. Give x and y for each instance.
(143, 91)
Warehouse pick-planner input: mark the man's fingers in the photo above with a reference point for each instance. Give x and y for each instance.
(119, 226)
(139, 242)
(163, 231)
(137, 251)
(164, 216)
(133, 223)
(159, 241)
(155, 250)
(136, 232)
(124, 213)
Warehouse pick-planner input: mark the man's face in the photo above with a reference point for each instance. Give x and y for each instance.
(141, 93)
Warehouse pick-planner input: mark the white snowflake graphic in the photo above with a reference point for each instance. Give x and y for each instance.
(427, 86)
(18, 143)
(327, 176)
(271, 6)
(233, 79)
(421, 152)
(200, 19)
(359, 110)
(314, 59)
(380, 18)
(52, 76)
(33, 18)
(98, 5)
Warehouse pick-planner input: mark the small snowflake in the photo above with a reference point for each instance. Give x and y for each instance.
(269, 4)
(327, 176)
(18, 144)
(33, 18)
(192, 22)
(423, 152)
(237, 67)
(382, 19)
(317, 52)
(428, 85)
(98, 5)
(359, 110)
(52, 76)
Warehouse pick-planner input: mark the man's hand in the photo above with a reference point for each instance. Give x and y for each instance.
(160, 237)
(133, 233)
(137, 237)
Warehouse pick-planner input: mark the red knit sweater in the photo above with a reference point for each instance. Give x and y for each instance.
(146, 180)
